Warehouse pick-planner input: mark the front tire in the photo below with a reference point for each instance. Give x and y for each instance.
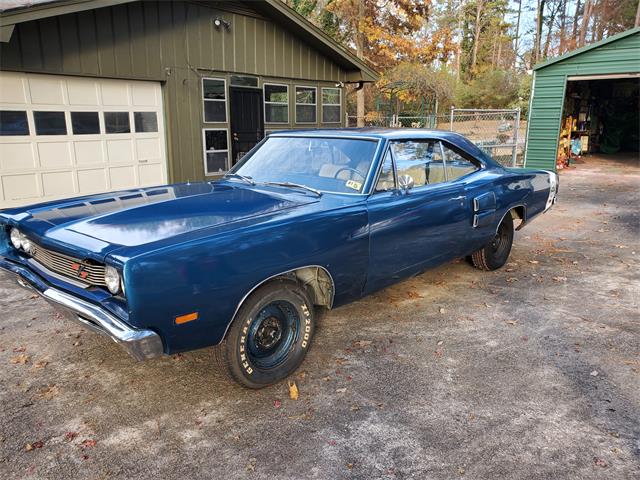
(496, 253)
(270, 336)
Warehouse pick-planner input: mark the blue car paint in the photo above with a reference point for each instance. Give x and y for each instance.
(202, 247)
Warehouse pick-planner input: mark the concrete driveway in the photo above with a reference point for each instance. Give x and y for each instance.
(532, 371)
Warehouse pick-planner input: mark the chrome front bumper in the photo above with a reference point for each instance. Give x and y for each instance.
(141, 344)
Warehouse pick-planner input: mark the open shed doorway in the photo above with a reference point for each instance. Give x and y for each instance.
(600, 121)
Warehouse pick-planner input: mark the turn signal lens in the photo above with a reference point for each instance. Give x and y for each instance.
(112, 279)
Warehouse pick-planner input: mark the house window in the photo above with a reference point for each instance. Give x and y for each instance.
(215, 100)
(13, 122)
(331, 105)
(244, 81)
(276, 103)
(216, 150)
(305, 104)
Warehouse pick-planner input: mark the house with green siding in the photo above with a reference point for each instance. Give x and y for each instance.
(106, 95)
(587, 100)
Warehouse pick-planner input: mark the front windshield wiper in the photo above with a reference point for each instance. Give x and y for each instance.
(241, 177)
(294, 185)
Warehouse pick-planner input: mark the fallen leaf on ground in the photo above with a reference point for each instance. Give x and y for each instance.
(88, 443)
(559, 279)
(32, 446)
(48, 392)
(277, 403)
(40, 364)
(362, 343)
(594, 373)
(511, 322)
(21, 359)
(441, 310)
(534, 262)
(293, 391)
(512, 279)
(600, 462)
(70, 435)
(341, 390)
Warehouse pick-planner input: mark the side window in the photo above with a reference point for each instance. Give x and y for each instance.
(457, 165)
(386, 180)
(420, 159)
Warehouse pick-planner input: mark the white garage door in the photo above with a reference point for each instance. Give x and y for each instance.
(64, 136)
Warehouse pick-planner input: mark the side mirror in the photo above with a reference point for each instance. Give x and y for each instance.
(406, 182)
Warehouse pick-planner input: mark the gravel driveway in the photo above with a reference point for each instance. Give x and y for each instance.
(532, 371)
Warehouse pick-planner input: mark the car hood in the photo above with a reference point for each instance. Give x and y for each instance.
(102, 223)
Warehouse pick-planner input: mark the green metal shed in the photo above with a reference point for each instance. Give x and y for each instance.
(616, 57)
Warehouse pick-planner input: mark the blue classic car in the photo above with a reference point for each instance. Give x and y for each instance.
(308, 220)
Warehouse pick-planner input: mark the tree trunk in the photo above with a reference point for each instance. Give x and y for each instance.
(476, 36)
(539, 20)
(517, 39)
(576, 17)
(588, 5)
(360, 54)
(461, 36)
(563, 28)
(637, 24)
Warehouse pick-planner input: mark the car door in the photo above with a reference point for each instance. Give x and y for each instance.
(411, 229)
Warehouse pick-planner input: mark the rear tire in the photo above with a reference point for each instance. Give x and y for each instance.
(496, 253)
(270, 336)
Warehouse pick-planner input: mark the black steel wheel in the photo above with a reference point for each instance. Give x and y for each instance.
(496, 253)
(270, 335)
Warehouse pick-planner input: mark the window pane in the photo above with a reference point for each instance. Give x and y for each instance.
(276, 93)
(215, 111)
(215, 140)
(305, 113)
(457, 166)
(217, 162)
(422, 161)
(13, 123)
(50, 123)
(85, 123)
(386, 180)
(331, 114)
(116, 122)
(213, 89)
(331, 96)
(244, 81)
(145, 121)
(305, 95)
(277, 113)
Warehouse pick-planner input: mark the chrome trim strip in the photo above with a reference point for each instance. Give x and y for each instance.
(259, 284)
(141, 344)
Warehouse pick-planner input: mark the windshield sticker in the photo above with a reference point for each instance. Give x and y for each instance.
(353, 184)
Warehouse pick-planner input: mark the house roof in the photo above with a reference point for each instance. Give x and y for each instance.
(586, 48)
(13, 12)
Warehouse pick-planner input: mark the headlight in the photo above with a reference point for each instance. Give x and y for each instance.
(112, 279)
(16, 238)
(27, 246)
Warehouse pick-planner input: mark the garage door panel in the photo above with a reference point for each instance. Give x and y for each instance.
(82, 92)
(145, 95)
(13, 89)
(89, 153)
(122, 177)
(46, 90)
(54, 154)
(92, 181)
(151, 174)
(16, 156)
(20, 187)
(57, 184)
(119, 151)
(115, 93)
(82, 158)
(148, 149)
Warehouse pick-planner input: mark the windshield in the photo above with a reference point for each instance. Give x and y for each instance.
(327, 164)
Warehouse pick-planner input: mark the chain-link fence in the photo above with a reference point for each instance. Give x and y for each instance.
(500, 133)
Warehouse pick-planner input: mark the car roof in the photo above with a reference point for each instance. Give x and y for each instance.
(368, 132)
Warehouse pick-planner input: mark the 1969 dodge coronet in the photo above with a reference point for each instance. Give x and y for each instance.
(308, 220)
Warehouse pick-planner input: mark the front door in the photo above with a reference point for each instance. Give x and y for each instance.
(414, 229)
(247, 120)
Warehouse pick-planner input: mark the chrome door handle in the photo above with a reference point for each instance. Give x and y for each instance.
(461, 197)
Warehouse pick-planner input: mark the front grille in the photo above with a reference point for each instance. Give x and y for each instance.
(69, 266)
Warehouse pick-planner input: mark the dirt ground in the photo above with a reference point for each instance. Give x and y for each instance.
(532, 371)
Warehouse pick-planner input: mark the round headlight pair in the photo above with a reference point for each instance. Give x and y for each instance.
(20, 241)
(112, 279)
